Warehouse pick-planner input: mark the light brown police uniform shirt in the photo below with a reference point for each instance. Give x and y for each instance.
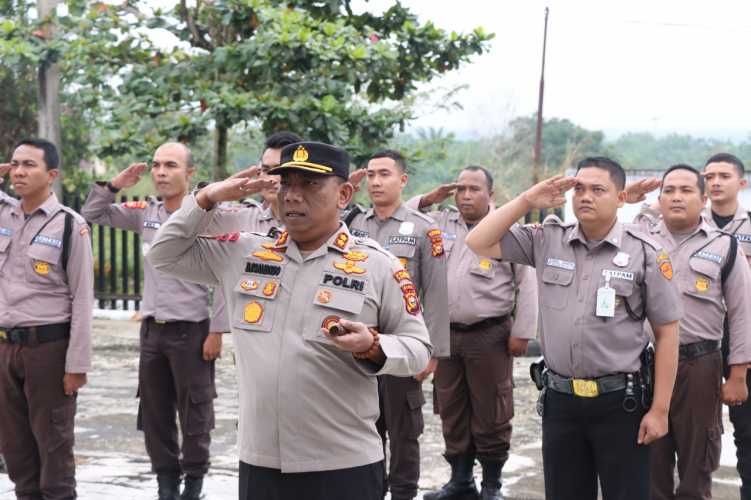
(576, 342)
(483, 288)
(697, 260)
(740, 227)
(415, 239)
(34, 288)
(164, 297)
(304, 404)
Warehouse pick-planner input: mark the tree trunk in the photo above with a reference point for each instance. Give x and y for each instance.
(219, 170)
(49, 93)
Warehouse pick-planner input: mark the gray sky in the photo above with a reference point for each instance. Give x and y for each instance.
(659, 66)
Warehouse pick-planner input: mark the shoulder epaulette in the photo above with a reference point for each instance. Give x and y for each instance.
(553, 219)
(424, 217)
(640, 235)
(76, 216)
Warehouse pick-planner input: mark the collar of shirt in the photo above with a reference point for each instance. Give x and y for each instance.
(400, 214)
(663, 230)
(740, 214)
(614, 237)
(49, 207)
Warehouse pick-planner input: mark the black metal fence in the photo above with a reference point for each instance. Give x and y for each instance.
(118, 263)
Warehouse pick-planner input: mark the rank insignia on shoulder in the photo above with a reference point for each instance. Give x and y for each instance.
(666, 267)
(253, 312)
(349, 267)
(42, 268)
(436, 240)
(282, 239)
(356, 256)
(135, 204)
(402, 275)
(84, 231)
(268, 255)
(341, 241)
(411, 302)
(702, 284)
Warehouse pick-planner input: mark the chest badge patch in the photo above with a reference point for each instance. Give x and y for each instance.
(253, 312)
(621, 259)
(406, 228)
(268, 255)
(349, 267)
(356, 256)
(269, 288)
(485, 264)
(42, 268)
(323, 297)
(249, 285)
(702, 284)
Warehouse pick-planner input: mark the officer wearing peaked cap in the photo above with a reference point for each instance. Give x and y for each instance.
(316, 315)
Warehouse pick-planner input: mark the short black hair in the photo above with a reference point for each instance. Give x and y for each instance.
(617, 175)
(689, 168)
(51, 156)
(728, 158)
(478, 168)
(398, 158)
(280, 139)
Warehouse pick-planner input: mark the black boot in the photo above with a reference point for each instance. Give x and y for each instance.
(461, 486)
(193, 487)
(169, 486)
(491, 480)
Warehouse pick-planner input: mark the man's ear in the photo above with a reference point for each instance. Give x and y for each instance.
(52, 175)
(346, 191)
(621, 198)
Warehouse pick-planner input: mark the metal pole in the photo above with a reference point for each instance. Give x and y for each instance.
(538, 133)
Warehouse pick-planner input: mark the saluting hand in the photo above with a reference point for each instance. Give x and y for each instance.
(248, 173)
(72, 382)
(439, 194)
(357, 339)
(654, 425)
(549, 193)
(637, 191)
(4, 169)
(231, 190)
(356, 177)
(212, 346)
(130, 176)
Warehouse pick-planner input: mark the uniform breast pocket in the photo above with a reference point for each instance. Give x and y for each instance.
(329, 306)
(43, 265)
(404, 253)
(255, 303)
(556, 287)
(703, 281)
(624, 292)
(483, 268)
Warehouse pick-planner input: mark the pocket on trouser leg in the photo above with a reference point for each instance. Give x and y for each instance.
(504, 403)
(714, 448)
(200, 418)
(61, 435)
(414, 423)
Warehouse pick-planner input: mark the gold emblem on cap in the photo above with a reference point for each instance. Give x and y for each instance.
(300, 154)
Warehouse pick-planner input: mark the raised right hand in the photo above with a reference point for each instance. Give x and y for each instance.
(439, 194)
(130, 176)
(637, 191)
(4, 169)
(356, 177)
(231, 190)
(549, 193)
(248, 173)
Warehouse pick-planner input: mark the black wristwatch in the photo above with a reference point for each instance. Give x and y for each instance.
(111, 187)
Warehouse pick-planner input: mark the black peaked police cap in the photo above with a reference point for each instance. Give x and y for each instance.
(314, 157)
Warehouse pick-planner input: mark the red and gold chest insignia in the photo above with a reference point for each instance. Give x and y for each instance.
(411, 302)
(341, 241)
(269, 288)
(356, 256)
(329, 321)
(282, 239)
(226, 237)
(323, 297)
(436, 241)
(268, 255)
(249, 285)
(135, 204)
(349, 267)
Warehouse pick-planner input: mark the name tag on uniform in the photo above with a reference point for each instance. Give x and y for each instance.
(745, 238)
(46, 240)
(605, 300)
(152, 224)
(402, 240)
(4, 231)
(708, 256)
(611, 273)
(561, 264)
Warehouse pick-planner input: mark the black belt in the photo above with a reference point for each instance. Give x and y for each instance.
(691, 351)
(485, 323)
(33, 335)
(585, 388)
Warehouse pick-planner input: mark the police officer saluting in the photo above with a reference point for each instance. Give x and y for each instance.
(316, 314)
(46, 299)
(597, 280)
(416, 240)
(475, 385)
(714, 281)
(176, 367)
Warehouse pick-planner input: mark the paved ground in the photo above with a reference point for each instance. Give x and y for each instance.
(112, 462)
